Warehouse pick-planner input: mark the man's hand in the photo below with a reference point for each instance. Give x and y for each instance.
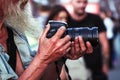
(105, 69)
(78, 48)
(51, 49)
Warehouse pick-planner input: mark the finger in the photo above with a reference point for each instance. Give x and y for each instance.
(59, 32)
(46, 31)
(69, 56)
(65, 39)
(65, 48)
(62, 41)
(89, 47)
(77, 45)
(72, 48)
(67, 51)
(82, 44)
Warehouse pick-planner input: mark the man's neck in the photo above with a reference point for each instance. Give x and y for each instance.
(78, 17)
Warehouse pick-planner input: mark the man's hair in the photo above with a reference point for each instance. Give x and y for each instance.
(7, 5)
(20, 19)
(104, 11)
(55, 10)
(4, 5)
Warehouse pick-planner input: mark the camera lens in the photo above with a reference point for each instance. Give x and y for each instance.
(88, 34)
(94, 36)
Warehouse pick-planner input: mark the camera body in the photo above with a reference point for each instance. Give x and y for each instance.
(88, 34)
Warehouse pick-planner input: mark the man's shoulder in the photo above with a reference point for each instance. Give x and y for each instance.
(93, 15)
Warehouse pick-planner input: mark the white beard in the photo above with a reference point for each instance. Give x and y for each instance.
(23, 21)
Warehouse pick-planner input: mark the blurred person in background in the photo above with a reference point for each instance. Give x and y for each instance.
(41, 10)
(16, 58)
(58, 13)
(116, 44)
(109, 24)
(97, 62)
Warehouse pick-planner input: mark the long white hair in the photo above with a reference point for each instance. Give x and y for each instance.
(23, 21)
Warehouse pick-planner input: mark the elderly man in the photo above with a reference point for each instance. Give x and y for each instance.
(16, 57)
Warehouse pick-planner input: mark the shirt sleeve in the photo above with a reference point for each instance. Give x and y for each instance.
(101, 26)
(6, 71)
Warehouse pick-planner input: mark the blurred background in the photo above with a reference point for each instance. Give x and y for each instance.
(41, 11)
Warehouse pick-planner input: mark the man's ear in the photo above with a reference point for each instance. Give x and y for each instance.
(22, 5)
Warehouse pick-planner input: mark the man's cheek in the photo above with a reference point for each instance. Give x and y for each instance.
(15, 1)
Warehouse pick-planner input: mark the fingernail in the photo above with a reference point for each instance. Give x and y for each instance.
(47, 25)
(80, 36)
(72, 42)
(87, 42)
(62, 27)
(76, 37)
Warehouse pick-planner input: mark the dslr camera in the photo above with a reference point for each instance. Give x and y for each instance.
(88, 33)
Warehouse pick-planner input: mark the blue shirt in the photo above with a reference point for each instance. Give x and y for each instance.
(26, 55)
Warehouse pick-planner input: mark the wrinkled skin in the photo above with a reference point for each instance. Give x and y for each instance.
(54, 45)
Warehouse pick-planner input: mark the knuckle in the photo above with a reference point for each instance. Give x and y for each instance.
(61, 50)
(58, 45)
(62, 28)
(41, 40)
(84, 49)
(77, 50)
(68, 37)
(69, 43)
(90, 51)
(75, 57)
(53, 40)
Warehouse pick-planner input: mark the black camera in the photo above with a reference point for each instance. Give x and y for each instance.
(88, 34)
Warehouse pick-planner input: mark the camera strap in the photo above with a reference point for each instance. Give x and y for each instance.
(66, 69)
(11, 49)
(57, 70)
